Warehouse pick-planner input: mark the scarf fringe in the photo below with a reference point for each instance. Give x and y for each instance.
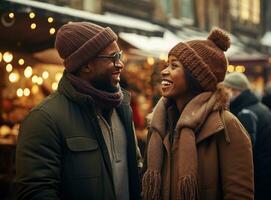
(188, 188)
(151, 184)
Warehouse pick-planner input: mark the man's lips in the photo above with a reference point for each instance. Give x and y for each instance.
(116, 75)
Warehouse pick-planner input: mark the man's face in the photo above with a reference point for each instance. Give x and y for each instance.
(105, 70)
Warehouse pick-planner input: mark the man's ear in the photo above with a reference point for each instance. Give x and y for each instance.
(87, 68)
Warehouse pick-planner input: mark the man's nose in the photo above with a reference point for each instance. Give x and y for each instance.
(119, 64)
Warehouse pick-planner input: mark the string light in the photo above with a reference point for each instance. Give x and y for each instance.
(20, 92)
(9, 67)
(52, 31)
(26, 92)
(11, 15)
(54, 86)
(240, 69)
(28, 72)
(21, 61)
(31, 15)
(39, 81)
(45, 75)
(50, 19)
(13, 77)
(35, 79)
(33, 26)
(8, 57)
(230, 68)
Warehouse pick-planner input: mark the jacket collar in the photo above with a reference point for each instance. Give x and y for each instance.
(213, 125)
(245, 99)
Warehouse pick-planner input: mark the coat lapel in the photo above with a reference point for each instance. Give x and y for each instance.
(212, 125)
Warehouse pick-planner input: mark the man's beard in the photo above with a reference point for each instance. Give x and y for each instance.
(102, 85)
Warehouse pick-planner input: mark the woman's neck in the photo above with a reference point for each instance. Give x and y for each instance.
(181, 101)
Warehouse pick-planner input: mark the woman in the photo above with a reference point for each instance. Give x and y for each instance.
(196, 148)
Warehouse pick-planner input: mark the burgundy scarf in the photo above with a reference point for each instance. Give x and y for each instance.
(102, 98)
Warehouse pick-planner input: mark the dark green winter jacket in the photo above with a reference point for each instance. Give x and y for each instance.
(61, 153)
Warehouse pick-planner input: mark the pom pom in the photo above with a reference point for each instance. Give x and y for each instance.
(220, 39)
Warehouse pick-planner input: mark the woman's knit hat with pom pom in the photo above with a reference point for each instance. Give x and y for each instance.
(205, 59)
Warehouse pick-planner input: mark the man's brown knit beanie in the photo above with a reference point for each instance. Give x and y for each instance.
(205, 59)
(78, 42)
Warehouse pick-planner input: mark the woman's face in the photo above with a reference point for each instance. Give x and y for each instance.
(173, 82)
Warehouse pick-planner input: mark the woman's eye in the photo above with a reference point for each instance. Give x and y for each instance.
(173, 66)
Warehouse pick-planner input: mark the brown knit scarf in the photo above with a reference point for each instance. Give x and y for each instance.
(102, 98)
(191, 120)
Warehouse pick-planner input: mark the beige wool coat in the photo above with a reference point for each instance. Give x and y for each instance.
(225, 163)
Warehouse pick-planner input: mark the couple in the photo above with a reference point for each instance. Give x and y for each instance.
(79, 143)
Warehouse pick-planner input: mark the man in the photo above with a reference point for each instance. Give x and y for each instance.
(256, 118)
(79, 143)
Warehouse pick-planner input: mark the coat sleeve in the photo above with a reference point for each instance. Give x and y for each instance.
(38, 158)
(236, 161)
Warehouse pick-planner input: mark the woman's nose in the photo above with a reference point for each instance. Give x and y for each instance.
(165, 71)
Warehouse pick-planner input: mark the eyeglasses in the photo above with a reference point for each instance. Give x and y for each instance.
(116, 57)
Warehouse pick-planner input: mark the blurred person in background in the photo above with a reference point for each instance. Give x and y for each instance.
(79, 143)
(256, 118)
(266, 99)
(196, 148)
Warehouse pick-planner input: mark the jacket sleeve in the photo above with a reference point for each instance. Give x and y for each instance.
(38, 158)
(235, 160)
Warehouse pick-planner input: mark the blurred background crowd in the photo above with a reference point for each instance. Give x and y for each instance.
(30, 68)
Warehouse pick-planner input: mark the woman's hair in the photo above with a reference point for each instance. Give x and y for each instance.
(194, 87)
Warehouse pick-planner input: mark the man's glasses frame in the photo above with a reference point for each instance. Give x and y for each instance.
(116, 57)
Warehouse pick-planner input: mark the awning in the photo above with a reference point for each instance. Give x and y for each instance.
(266, 39)
(20, 36)
(157, 46)
(154, 46)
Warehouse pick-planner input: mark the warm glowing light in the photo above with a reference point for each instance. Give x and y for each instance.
(9, 67)
(26, 92)
(163, 57)
(20, 92)
(52, 31)
(54, 86)
(11, 15)
(13, 77)
(150, 60)
(240, 69)
(35, 79)
(35, 89)
(7, 57)
(39, 81)
(31, 15)
(33, 26)
(58, 76)
(50, 19)
(1, 56)
(21, 61)
(28, 72)
(230, 68)
(45, 75)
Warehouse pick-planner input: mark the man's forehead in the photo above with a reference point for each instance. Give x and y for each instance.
(110, 49)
